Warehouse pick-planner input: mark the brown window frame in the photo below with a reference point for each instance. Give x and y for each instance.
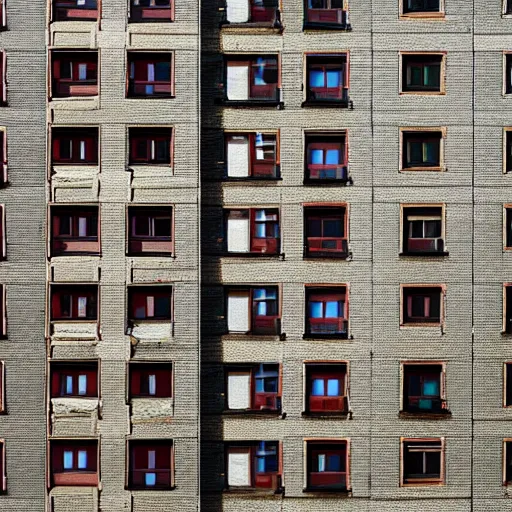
(326, 404)
(412, 482)
(71, 87)
(89, 135)
(406, 305)
(423, 134)
(150, 136)
(63, 10)
(74, 368)
(151, 445)
(405, 14)
(145, 291)
(422, 212)
(151, 13)
(75, 289)
(3, 468)
(324, 141)
(150, 245)
(74, 476)
(325, 294)
(422, 56)
(150, 58)
(327, 17)
(142, 370)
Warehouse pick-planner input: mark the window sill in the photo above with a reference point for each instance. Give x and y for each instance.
(423, 16)
(326, 26)
(248, 180)
(261, 337)
(152, 254)
(425, 415)
(251, 103)
(152, 489)
(328, 103)
(423, 169)
(423, 254)
(338, 336)
(252, 413)
(422, 93)
(416, 325)
(251, 491)
(226, 254)
(327, 256)
(324, 182)
(430, 483)
(326, 415)
(341, 492)
(150, 96)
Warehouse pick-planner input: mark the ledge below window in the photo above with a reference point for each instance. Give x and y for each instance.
(326, 415)
(328, 103)
(337, 336)
(250, 103)
(249, 255)
(316, 181)
(425, 415)
(246, 181)
(252, 413)
(341, 492)
(326, 26)
(425, 254)
(250, 491)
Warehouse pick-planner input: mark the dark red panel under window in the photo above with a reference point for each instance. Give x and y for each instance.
(74, 475)
(151, 10)
(74, 73)
(150, 146)
(74, 302)
(140, 386)
(150, 303)
(59, 372)
(141, 475)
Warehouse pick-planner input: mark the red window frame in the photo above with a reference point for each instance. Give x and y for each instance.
(2, 388)
(325, 63)
(325, 326)
(149, 137)
(151, 12)
(423, 371)
(3, 76)
(71, 86)
(76, 476)
(3, 472)
(413, 245)
(60, 370)
(60, 291)
(263, 168)
(138, 79)
(139, 462)
(75, 136)
(139, 374)
(266, 92)
(325, 246)
(327, 14)
(325, 142)
(3, 157)
(138, 298)
(69, 10)
(436, 446)
(428, 294)
(326, 403)
(320, 480)
(150, 243)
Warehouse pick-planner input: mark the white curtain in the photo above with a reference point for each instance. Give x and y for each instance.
(238, 82)
(238, 311)
(239, 391)
(238, 157)
(238, 11)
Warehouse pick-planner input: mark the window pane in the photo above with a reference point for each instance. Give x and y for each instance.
(317, 388)
(82, 71)
(418, 306)
(321, 462)
(316, 310)
(414, 463)
(430, 387)
(414, 385)
(162, 226)
(162, 307)
(333, 228)
(152, 384)
(332, 156)
(316, 78)
(432, 75)
(333, 387)
(64, 225)
(82, 226)
(151, 459)
(432, 228)
(65, 306)
(332, 309)
(415, 152)
(82, 459)
(260, 230)
(333, 463)
(431, 152)
(82, 384)
(69, 385)
(433, 463)
(260, 385)
(141, 225)
(162, 151)
(416, 75)
(270, 385)
(150, 479)
(416, 229)
(141, 149)
(65, 149)
(65, 69)
(333, 78)
(68, 460)
(317, 156)
(162, 71)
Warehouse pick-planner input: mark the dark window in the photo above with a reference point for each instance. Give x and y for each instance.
(75, 230)
(3, 234)
(74, 10)
(74, 462)
(421, 73)
(252, 78)
(423, 388)
(253, 310)
(508, 7)
(253, 465)
(326, 388)
(151, 75)
(507, 446)
(421, 150)
(74, 146)
(252, 155)
(150, 303)
(422, 461)
(422, 305)
(3, 78)
(74, 302)
(508, 151)
(508, 309)
(252, 230)
(3, 312)
(150, 230)
(325, 14)
(74, 379)
(2, 393)
(150, 380)
(3, 474)
(508, 384)
(326, 157)
(253, 387)
(150, 464)
(327, 466)
(423, 230)
(417, 6)
(325, 232)
(150, 146)
(152, 10)
(508, 73)
(327, 312)
(252, 11)
(327, 78)
(75, 73)
(3, 14)
(3, 158)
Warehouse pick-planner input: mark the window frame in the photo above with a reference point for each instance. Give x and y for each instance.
(132, 9)
(506, 383)
(148, 288)
(403, 251)
(148, 57)
(274, 23)
(442, 292)
(3, 311)
(507, 326)
(81, 365)
(149, 443)
(162, 366)
(329, 138)
(3, 77)
(346, 441)
(442, 72)
(54, 17)
(153, 132)
(4, 179)
(404, 14)
(407, 132)
(3, 408)
(433, 482)
(76, 132)
(251, 136)
(342, 13)
(55, 60)
(3, 467)
(507, 212)
(72, 287)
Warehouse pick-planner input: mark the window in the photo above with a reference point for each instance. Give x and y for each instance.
(422, 305)
(421, 150)
(151, 146)
(507, 291)
(150, 303)
(252, 78)
(3, 473)
(75, 73)
(75, 10)
(424, 388)
(507, 150)
(151, 464)
(254, 230)
(3, 234)
(422, 461)
(74, 462)
(3, 157)
(326, 388)
(507, 379)
(253, 387)
(507, 461)
(326, 14)
(252, 155)
(263, 12)
(422, 73)
(327, 465)
(508, 73)
(77, 302)
(326, 157)
(3, 78)
(151, 75)
(3, 15)
(150, 230)
(75, 146)
(422, 7)
(75, 230)
(2, 391)
(253, 310)
(327, 312)
(326, 232)
(253, 465)
(151, 10)
(74, 379)
(327, 79)
(423, 230)
(3, 311)
(508, 7)
(150, 380)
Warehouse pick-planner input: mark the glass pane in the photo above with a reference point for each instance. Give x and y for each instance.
(260, 230)
(162, 72)
(332, 156)
(261, 309)
(431, 153)
(151, 459)
(259, 71)
(316, 78)
(314, 227)
(432, 228)
(333, 228)
(316, 4)
(316, 310)
(260, 464)
(141, 225)
(418, 306)
(82, 459)
(432, 75)
(82, 71)
(333, 387)
(82, 384)
(162, 307)
(317, 156)
(82, 150)
(415, 73)
(416, 229)
(65, 69)
(433, 463)
(65, 225)
(152, 384)
(415, 152)
(260, 385)
(414, 385)
(150, 479)
(317, 388)
(65, 149)
(68, 460)
(260, 215)
(321, 462)
(431, 387)
(69, 385)
(333, 463)
(162, 226)
(270, 385)
(162, 151)
(333, 78)
(414, 463)
(332, 309)
(259, 293)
